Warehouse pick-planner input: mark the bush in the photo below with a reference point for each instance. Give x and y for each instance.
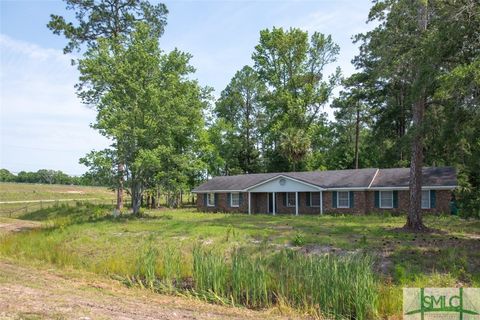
(298, 240)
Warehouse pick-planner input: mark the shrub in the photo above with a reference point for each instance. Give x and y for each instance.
(298, 240)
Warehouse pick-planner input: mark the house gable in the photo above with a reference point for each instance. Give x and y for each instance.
(283, 184)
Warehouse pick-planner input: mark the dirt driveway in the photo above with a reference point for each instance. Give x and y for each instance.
(28, 292)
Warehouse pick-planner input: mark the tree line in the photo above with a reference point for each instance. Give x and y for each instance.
(412, 102)
(45, 176)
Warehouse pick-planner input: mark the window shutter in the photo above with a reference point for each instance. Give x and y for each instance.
(216, 199)
(334, 199)
(307, 199)
(433, 198)
(284, 199)
(395, 199)
(229, 197)
(351, 199)
(240, 199)
(205, 195)
(377, 199)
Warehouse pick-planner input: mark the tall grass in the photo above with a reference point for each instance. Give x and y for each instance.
(343, 287)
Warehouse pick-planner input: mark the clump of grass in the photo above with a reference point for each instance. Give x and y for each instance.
(249, 281)
(230, 233)
(146, 266)
(298, 239)
(210, 273)
(343, 286)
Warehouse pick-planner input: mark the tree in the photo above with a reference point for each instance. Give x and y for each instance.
(292, 66)
(239, 115)
(6, 176)
(412, 48)
(111, 19)
(351, 116)
(106, 19)
(295, 145)
(146, 103)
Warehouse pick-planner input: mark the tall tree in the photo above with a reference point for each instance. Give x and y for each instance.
(146, 102)
(351, 116)
(112, 19)
(411, 49)
(292, 66)
(239, 111)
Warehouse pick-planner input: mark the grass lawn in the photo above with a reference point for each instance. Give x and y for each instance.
(32, 191)
(88, 237)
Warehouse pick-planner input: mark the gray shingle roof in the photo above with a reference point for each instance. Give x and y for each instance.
(359, 178)
(400, 177)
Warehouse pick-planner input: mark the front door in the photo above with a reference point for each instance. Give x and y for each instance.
(270, 202)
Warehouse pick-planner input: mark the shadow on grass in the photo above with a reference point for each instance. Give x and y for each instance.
(86, 213)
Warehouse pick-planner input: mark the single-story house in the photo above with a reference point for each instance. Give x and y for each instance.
(357, 191)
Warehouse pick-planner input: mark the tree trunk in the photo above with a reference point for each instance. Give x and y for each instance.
(137, 192)
(120, 169)
(357, 136)
(414, 218)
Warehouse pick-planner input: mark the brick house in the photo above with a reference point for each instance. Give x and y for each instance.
(358, 191)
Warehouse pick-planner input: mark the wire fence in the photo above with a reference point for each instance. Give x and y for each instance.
(13, 209)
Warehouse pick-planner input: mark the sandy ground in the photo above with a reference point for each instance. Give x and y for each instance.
(28, 292)
(15, 225)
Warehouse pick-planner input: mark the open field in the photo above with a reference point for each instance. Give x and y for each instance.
(21, 198)
(87, 238)
(28, 191)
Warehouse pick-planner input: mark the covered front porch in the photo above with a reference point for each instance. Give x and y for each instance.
(285, 202)
(285, 195)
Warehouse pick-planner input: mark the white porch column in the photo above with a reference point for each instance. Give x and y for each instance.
(249, 204)
(296, 203)
(321, 202)
(274, 203)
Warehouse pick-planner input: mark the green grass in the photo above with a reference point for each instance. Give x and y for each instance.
(256, 260)
(32, 191)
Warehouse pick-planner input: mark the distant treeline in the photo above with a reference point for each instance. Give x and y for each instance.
(48, 177)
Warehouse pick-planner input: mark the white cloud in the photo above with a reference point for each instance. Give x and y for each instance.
(43, 123)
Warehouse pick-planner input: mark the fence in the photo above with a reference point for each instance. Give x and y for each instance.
(14, 209)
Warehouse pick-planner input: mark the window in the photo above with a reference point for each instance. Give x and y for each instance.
(386, 199)
(314, 199)
(211, 199)
(291, 201)
(425, 199)
(234, 199)
(343, 199)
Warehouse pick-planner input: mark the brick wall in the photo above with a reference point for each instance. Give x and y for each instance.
(222, 204)
(358, 203)
(364, 202)
(442, 203)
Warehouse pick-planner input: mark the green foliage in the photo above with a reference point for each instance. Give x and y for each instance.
(106, 19)
(422, 54)
(42, 176)
(155, 117)
(270, 115)
(239, 121)
(298, 239)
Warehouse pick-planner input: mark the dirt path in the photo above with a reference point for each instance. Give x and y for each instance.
(15, 225)
(39, 293)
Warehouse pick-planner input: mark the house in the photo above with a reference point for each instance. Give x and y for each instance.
(357, 191)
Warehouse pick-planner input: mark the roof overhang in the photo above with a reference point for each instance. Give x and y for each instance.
(407, 188)
(284, 177)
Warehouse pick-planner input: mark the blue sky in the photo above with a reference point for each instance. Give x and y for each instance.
(43, 124)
